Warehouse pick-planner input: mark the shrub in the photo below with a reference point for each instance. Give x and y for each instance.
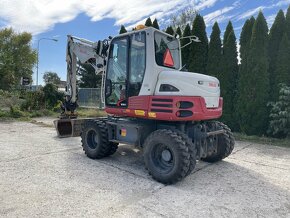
(34, 100)
(51, 95)
(280, 114)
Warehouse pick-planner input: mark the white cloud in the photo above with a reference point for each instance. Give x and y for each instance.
(38, 16)
(200, 5)
(270, 19)
(250, 13)
(254, 11)
(218, 15)
(282, 3)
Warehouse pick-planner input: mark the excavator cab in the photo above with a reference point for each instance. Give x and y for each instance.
(134, 61)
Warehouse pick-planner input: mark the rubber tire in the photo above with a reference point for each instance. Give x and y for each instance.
(226, 143)
(104, 148)
(113, 148)
(179, 151)
(191, 149)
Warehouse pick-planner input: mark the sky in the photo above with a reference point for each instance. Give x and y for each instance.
(98, 19)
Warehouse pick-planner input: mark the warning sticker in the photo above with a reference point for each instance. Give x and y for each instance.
(123, 132)
(139, 112)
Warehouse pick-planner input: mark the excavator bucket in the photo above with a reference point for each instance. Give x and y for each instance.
(68, 127)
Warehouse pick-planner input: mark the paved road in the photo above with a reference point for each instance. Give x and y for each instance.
(44, 176)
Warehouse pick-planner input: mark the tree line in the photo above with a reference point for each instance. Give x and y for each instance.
(250, 87)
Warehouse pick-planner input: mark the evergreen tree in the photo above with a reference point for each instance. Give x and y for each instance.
(229, 77)
(198, 53)
(178, 32)
(155, 24)
(229, 29)
(245, 39)
(185, 51)
(88, 77)
(122, 30)
(148, 22)
(254, 82)
(214, 52)
(275, 37)
(169, 30)
(279, 114)
(288, 22)
(282, 73)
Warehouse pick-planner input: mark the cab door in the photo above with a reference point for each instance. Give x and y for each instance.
(126, 69)
(117, 73)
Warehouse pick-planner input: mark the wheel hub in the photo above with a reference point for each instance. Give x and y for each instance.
(166, 155)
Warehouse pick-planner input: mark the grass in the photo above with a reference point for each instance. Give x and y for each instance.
(263, 140)
(90, 112)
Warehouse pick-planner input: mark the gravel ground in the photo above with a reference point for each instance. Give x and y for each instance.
(44, 176)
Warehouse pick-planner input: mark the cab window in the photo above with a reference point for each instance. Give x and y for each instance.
(167, 52)
(117, 72)
(137, 63)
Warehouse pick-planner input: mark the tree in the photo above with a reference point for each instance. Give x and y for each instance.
(288, 22)
(51, 95)
(280, 114)
(51, 77)
(229, 77)
(88, 77)
(178, 32)
(17, 58)
(244, 71)
(276, 33)
(155, 24)
(169, 30)
(245, 39)
(148, 22)
(183, 18)
(198, 53)
(282, 70)
(185, 51)
(122, 30)
(254, 82)
(214, 52)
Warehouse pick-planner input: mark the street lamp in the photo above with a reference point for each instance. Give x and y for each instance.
(38, 56)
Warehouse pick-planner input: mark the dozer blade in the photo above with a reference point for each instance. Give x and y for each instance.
(68, 127)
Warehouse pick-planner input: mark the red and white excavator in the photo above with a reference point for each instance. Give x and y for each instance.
(150, 103)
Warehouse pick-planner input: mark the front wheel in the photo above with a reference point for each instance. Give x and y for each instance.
(166, 156)
(225, 146)
(95, 140)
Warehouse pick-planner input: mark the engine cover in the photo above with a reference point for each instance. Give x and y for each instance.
(189, 84)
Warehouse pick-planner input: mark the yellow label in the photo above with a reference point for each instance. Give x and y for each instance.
(139, 112)
(123, 132)
(152, 114)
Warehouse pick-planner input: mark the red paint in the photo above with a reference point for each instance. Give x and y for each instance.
(200, 112)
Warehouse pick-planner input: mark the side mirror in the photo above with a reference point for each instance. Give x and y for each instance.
(108, 89)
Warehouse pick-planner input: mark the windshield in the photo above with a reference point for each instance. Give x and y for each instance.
(167, 53)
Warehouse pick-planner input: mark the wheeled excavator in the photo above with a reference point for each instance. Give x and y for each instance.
(151, 103)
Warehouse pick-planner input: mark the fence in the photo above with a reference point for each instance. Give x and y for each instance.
(90, 97)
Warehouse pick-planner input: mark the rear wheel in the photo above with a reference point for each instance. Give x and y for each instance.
(225, 144)
(166, 156)
(95, 140)
(191, 149)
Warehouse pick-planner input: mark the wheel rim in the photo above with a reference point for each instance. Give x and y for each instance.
(163, 158)
(92, 139)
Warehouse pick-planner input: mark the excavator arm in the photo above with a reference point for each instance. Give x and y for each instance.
(81, 51)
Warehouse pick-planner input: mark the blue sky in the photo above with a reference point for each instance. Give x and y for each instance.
(97, 19)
